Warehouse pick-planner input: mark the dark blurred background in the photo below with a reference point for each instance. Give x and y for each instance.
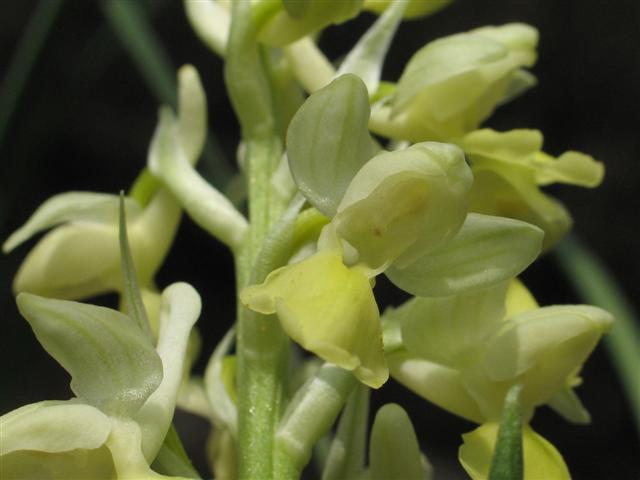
(86, 115)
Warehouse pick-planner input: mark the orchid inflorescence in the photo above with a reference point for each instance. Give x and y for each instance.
(449, 211)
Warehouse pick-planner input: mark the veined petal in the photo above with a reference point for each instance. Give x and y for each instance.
(402, 204)
(440, 385)
(284, 28)
(487, 250)
(328, 309)
(451, 330)
(541, 459)
(542, 348)
(179, 311)
(100, 208)
(328, 141)
(53, 426)
(112, 364)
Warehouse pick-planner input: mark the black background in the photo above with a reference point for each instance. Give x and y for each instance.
(86, 117)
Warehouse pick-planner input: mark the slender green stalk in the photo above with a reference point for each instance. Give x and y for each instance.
(597, 286)
(262, 347)
(24, 58)
(507, 462)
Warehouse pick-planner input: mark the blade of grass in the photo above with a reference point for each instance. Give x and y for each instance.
(595, 284)
(134, 30)
(24, 58)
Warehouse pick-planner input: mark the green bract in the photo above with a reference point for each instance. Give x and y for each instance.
(454, 83)
(509, 168)
(126, 391)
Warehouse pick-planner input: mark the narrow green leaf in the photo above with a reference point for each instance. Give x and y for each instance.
(394, 452)
(487, 250)
(130, 288)
(172, 459)
(507, 462)
(26, 53)
(112, 364)
(596, 285)
(347, 454)
(328, 141)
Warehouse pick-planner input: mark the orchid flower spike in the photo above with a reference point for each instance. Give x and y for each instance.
(403, 212)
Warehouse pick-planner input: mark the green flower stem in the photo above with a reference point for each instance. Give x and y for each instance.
(262, 347)
(310, 415)
(597, 286)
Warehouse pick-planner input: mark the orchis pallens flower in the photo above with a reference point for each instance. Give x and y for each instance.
(125, 389)
(465, 352)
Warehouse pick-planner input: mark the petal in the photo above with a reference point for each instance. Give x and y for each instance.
(211, 22)
(73, 261)
(573, 168)
(567, 404)
(451, 330)
(542, 348)
(515, 146)
(179, 311)
(513, 193)
(53, 426)
(414, 9)
(439, 384)
(192, 112)
(283, 28)
(112, 364)
(402, 204)
(328, 309)
(394, 451)
(519, 299)
(72, 206)
(541, 459)
(328, 141)
(487, 250)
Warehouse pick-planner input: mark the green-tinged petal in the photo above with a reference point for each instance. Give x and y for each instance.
(521, 81)
(112, 364)
(513, 193)
(283, 27)
(451, 330)
(567, 404)
(99, 208)
(394, 451)
(454, 83)
(53, 426)
(367, 56)
(541, 459)
(221, 399)
(439, 384)
(192, 113)
(402, 204)
(573, 168)
(328, 141)
(204, 204)
(515, 146)
(179, 311)
(542, 348)
(328, 309)
(211, 21)
(519, 299)
(487, 250)
(73, 261)
(414, 9)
